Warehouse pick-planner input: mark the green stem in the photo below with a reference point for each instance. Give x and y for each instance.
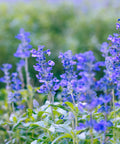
(105, 115)
(18, 137)
(101, 140)
(31, 101)
(73, 125)
(74, 141)
(73, 99)
(51, 102)
(114, 133)
(27, 73)
(91, 129)
(75, 121)
(33, 134)
(21, 77)
(26, 136)
(13, 107)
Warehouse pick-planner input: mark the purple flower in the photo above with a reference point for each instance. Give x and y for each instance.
(45, 76)
(102, 125)
(6, 78)
(117, 26)
(105, 98)
(15, 96)
(6, 67)
(104, 49)
(23, 50)
(56, 87)
(48, 52)
(81, 126)
(21, 107)
(117, 104)
(104, 109)
(16, 83)
(90, 123)
(51, 63)
(67, 78)
(112, 62)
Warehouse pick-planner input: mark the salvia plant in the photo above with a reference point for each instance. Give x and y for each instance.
(77, 108)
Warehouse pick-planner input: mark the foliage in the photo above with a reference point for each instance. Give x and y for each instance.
(78, 108)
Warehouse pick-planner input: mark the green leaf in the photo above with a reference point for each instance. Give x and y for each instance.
(30, 112)
(59, 121)
(39, 123)
(61, 111)
(56, 113)
(16, 125)
(95, 141)
(52, 128)
(70, 105)
(34, 142)
(67, 135)
(82, 135)
(40, 113)
(63, 128)
(59, 106)
(79, 131)
(30, 88)
(14, 119)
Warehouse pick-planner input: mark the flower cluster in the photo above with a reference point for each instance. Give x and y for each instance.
(98, 126)
(6, 79)
(14, 95)
(16, 83)
(13, 84)
(24, 47)
(23, 52)
(45, 76)
(69, 78)
(86, 67)
(111, 52)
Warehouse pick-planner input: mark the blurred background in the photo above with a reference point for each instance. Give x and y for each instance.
(60, 25)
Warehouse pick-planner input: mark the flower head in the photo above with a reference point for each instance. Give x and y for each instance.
(45, 76)
(23, 50)
(6, 78)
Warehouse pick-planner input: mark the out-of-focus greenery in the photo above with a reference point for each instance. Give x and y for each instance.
(59, 28)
